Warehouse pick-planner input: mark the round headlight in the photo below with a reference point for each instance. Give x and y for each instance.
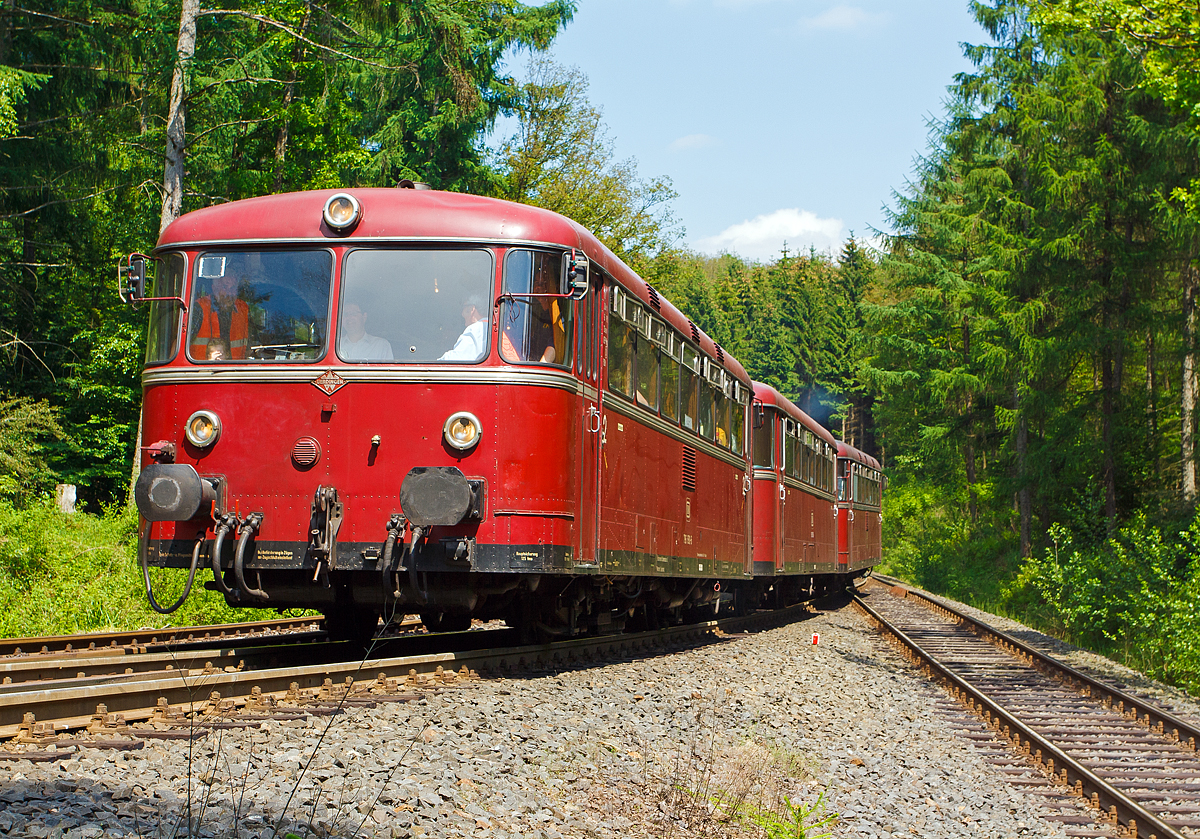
(462, 430)
(342, 211)
(202, 429)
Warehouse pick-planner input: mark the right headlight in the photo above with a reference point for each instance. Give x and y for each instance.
(202, 429)
(462, 430)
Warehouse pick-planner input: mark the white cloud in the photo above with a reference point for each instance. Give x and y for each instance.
(692, 141)
(843, 18)
(763, 238)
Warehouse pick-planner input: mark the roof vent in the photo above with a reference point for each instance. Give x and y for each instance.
(689, 469)
(654, 301)
(720, 355)
(405, 183)
(695, 331)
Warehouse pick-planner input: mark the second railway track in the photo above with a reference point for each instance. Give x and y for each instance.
(1133, 761)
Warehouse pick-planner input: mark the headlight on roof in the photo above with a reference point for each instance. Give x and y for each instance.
(202, 429)
(342, 211)
(462, 430)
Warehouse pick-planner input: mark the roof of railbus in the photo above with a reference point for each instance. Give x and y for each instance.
(418, 215)
(850, 453)
(770, 396)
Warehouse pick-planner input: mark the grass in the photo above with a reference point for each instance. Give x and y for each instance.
(67, 573)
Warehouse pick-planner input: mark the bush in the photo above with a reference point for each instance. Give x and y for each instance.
(66, 573)
(1133, 597)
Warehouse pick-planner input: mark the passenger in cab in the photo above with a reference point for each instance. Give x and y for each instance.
(472, 343)
(354, 343)
(220, 323)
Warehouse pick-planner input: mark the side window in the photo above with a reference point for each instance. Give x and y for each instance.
(162, 341)
(764, 441)
(535, 329)
(647, 373)
(721, 414)
(670, 388)
(737, 425)
(620, 356)
(789, 450)
(707, 427)
(689, 390)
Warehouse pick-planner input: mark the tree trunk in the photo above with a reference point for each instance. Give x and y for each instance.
(177, 116)
(1188, 390)
(1108, 476)
(1024, 499)
(1151, 397)
(289, 96)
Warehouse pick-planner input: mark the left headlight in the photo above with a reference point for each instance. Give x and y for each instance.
(462, 430)
(202, 429)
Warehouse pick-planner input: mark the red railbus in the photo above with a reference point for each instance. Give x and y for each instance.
(405, 400)
(860, 509)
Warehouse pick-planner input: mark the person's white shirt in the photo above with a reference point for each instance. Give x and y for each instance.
(366, 348)
(470, 345)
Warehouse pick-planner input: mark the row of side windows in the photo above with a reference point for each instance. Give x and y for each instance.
(806, 457)
(651, 365)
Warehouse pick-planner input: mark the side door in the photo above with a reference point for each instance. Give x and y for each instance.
(588, 363)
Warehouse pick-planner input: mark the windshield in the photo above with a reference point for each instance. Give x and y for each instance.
(259, 306)
(416, 306)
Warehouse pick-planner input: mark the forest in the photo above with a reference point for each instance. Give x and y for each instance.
(1019, 348)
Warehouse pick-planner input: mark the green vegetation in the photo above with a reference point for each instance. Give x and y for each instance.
(62, 573)
(1022, 353)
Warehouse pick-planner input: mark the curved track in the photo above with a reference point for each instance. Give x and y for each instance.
(186, 703)
(1132, 761)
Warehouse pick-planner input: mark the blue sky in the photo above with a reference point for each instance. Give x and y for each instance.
(775, 119)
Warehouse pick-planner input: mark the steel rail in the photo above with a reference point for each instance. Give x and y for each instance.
(116, 643)
(73, 706)
(1153, 717)
(1070, 772)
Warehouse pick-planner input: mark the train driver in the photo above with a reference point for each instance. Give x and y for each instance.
(472, 343)
(354, 343)
(220, 323)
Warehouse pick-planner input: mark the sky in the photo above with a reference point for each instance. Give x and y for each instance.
(777, 121)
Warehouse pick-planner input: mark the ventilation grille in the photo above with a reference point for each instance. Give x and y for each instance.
(689, 469)
(695, 332)
(654, 301)
(306, 452)
(720, 355)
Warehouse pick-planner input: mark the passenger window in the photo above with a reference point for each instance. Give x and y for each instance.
(670, 388)
(789, 454)
(737, 425)
(647, 373)
(535, 329)
(764, 441)
(707, 427)
(689, 398)
(620, 356)
(721, 413)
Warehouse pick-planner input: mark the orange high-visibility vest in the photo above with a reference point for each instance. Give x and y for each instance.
(210, 330)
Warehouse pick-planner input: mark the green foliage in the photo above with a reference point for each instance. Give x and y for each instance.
(1134, 596)
(64, 573)
(797, 821)
(25, 427)
(562, 158)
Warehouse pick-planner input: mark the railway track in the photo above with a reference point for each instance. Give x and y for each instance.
(46, 720)
(1134, 762)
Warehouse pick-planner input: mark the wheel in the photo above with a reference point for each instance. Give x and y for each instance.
(438, 621)
(346, 623)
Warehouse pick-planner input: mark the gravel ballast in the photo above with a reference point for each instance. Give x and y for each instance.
(702, 742)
